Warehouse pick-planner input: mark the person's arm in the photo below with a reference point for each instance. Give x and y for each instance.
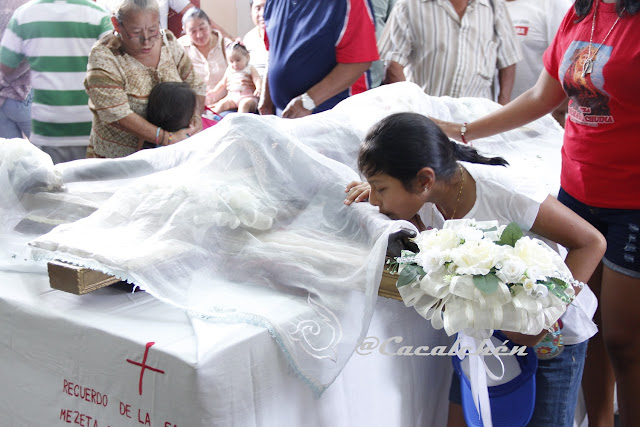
(257, 81)
(215, 94)
(393, 73)
(137, 125)
(10, 74)
(196, 119)
(560, 113)
(541, 99)
(222, 30)
(585, 246)
(506, 79)
(355, 52)
(211, 22)
(396, 44)
(340, 78)
(265, 106)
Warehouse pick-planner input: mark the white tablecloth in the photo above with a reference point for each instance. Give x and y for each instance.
(66, 359)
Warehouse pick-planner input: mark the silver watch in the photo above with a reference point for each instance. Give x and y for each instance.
(307, 102)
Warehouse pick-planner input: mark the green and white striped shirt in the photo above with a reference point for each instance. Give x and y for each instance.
(56, 36)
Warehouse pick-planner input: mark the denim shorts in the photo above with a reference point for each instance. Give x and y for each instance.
(621, 228)
(557, 387)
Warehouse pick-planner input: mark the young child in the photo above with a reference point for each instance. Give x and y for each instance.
(241, 80)
(415, 173)
(171, 106)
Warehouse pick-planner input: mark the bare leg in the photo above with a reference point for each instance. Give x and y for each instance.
(247, 105)
(621, 319)
(598, 381)
(224, 104)
(456, 416)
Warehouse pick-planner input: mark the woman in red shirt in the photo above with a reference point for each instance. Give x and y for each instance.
(594, 61)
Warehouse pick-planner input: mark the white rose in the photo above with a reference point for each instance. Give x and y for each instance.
(511, 271)
(540, 291)
(432, 259)
(534, 273)
(469, 234)
(475, 257)
(534, 253)
(436, 240)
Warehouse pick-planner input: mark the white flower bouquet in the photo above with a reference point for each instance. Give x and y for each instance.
(479, 276)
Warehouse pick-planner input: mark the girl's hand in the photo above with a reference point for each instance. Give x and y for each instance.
(358, 192)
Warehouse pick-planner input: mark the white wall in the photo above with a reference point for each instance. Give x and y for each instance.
(232, 15)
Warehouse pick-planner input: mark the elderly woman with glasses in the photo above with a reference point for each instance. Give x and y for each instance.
(123, 69)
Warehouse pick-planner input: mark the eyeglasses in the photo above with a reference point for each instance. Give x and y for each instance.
(152, 34)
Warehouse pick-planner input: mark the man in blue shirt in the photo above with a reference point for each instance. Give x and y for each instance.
(319, 54)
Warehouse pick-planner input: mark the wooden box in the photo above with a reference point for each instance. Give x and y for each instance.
(80, 280)
(77, 280)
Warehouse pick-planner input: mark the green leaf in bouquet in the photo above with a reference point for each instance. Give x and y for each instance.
(558, 282)
(511, 234)
(487, 284)
(410, 273)
(556, 287)
(557, 291)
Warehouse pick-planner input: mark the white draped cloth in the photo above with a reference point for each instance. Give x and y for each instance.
(243, 222)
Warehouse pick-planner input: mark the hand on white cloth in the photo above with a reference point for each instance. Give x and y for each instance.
(294, 109)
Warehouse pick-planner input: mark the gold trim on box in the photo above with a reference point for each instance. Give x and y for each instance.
(80, 280)
(388, 281)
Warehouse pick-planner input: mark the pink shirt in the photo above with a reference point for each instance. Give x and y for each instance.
(211, 69)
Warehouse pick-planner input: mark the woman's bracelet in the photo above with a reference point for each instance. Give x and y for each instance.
(576, 283)
(157, 135)
(170, 136)
(463, 130)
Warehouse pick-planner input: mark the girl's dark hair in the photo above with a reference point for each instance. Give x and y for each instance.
(582, 7)
(171, 105)
(403, 143)
(192, 13)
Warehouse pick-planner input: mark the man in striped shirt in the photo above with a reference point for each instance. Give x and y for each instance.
(451, 47)
(56, 36)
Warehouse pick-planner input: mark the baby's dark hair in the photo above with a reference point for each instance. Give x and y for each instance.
(171, 105)
(403, 143)
(238, 47)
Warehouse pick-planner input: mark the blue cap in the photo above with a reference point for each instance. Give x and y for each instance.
(512, 402)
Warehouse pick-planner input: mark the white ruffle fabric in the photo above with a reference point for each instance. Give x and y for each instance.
(460, 305)
(243, 222)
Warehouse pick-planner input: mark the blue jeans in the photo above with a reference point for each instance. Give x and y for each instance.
(557, 387)
(621, 228)
(15, 117)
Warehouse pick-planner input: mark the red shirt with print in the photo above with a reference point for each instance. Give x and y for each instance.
(601, 151)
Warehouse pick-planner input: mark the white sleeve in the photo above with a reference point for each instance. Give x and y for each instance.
(555, 12)
(396, 42)
(178, 5)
